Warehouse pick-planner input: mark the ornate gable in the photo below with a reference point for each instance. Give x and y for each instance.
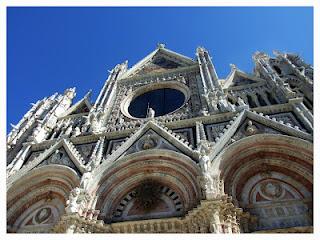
(150, 140)
(237, 78)
(159, 60)
(82, 106)
(62, 152)
(249, 123)
(60, 157)
(153, 135)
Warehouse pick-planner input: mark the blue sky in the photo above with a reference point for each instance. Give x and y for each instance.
(51, 49)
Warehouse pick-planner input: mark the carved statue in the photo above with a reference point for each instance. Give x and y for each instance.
(68, 131)
(37, 130)
(86, 177)
(150, 112)
(70, 93)
(72, 202)
(148, 142)
(204, 163)
(251, 129)
(77, 132)
(224, 105)
(208, 182)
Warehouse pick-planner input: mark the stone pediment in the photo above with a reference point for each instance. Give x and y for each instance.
(62, 152)
(153, 136)
(151, 140)
(238, 79)
(160, 60)
(249, 123)
(60, 157)
(82, 106)
(156, 65)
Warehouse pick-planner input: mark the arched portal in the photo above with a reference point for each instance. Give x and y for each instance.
(37, 200)
(270, 176)
(148, 184)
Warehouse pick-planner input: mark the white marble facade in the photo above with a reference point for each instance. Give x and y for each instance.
(234, 155)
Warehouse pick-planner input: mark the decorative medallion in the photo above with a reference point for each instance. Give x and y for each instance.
(147, 142)
(251, 128)
(42, 215)
(271, 190)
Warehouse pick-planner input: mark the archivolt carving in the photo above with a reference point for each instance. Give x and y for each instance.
(271, 177)
(167, 168)
(36, 201)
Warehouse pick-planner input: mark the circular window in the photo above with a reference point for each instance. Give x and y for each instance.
(162, 101)
(163, 98)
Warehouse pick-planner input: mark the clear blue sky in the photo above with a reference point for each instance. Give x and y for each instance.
(51, 49)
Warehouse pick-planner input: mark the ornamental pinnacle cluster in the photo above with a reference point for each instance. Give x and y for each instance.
(169, 147)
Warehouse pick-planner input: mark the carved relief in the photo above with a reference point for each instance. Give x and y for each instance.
(276, 203)
(148, 142)
(61, 157)
(149, 200)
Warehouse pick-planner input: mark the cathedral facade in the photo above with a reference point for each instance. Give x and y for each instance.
(169, 147)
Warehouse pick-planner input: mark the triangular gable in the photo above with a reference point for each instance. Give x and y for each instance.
(159, 60)
(165, 135)
(82, 106)
(60, 157)
(238, 78)
(68, 147)
(150, 139)
(260, 124)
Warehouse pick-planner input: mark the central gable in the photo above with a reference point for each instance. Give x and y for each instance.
(149, 140)
(159, 60)
(157, 64)
(238, 78)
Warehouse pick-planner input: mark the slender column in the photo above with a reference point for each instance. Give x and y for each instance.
(244, 98)
(205, 87)
(212, 71)
(265, 98)
(107, 83)
(18, 162)
(255, 99)
(300, 114)
(275, 97)
(306, 111)
(207, 70)
(111, 87)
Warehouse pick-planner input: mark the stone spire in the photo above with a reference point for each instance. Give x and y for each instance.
(61, 103)
(207, 70)
(99, 112)
(109, 87)
(276, 84)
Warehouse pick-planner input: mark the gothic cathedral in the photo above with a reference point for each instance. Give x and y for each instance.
(169, 147)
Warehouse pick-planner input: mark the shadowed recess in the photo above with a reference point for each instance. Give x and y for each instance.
(162, 101)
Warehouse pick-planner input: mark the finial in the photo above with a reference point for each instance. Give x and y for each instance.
(277, 53)
(201, 49)
(161, 45)
(233, 66)
(88, 95)
(70, 92)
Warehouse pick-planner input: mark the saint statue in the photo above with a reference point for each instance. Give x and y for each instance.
(86, 177)
(150, 112)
